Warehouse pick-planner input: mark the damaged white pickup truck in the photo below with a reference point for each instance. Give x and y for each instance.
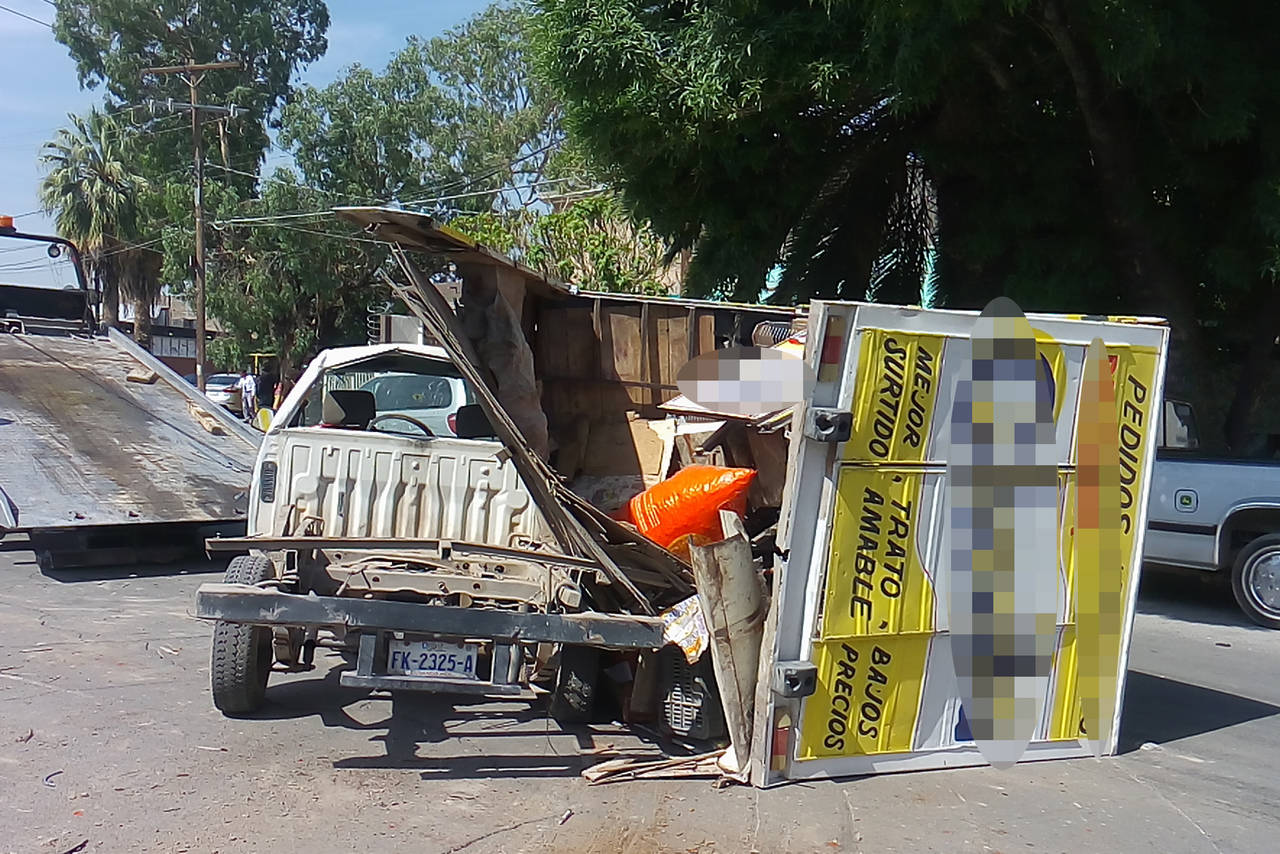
(380, 488)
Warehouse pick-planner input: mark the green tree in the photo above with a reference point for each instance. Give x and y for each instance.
(94, 191)
(461, 126)
(454, 122)
(113, 41)
(277, 285)
(1103, 156)
(591, 242)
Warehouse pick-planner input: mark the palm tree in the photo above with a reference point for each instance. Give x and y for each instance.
(93, 192)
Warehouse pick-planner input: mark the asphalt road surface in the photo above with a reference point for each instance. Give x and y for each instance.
(108, 738)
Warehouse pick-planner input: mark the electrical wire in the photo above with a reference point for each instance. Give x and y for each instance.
(419, 203)
(331, 234)
(531, 186)
(270, 218)
(28, 17)
(274, 180)
(498, 171)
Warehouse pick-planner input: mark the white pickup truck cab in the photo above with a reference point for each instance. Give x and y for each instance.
(1216, 514)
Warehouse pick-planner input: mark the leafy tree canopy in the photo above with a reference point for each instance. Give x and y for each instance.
(450, 122)
(592, 242)
(460, 126)
(284, 287)
(113, 41)
(1100, 156)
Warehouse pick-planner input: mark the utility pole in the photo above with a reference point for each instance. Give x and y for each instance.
(194, 73)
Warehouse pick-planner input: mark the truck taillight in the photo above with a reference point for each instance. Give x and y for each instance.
(453, 423)
(832, 345)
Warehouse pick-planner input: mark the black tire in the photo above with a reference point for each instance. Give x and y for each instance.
(574, 698)
(241, 658)
(1255, 580)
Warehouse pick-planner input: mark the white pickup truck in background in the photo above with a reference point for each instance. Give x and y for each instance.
(1216, 514)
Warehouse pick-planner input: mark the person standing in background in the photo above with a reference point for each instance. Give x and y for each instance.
(280, 391)
(248, 385)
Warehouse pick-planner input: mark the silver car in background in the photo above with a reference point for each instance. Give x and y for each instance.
(222, 390)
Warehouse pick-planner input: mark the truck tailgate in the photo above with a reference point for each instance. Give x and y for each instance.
(860, 616)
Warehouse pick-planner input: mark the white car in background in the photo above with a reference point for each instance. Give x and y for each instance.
(430, 400)
(222, 390)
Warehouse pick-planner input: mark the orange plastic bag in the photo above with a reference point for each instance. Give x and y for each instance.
(685, 508)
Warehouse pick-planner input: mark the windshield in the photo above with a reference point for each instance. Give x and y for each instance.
(425, 392)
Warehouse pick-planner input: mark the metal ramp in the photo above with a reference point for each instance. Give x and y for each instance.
(96, 468)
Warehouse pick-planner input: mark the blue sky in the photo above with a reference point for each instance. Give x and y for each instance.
(38, 88)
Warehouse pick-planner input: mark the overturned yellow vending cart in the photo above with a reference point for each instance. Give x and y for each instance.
(859, 669)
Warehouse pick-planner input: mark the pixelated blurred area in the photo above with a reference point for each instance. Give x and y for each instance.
(1099, 582)
(1004, 517)
(746, 381)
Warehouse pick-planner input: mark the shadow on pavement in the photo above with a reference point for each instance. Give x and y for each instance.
(1191, 596)
(318, 696)
(196, 566)
(418, 720)
(1161, 710)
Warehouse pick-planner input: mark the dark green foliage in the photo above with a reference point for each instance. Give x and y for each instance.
(1100, 156)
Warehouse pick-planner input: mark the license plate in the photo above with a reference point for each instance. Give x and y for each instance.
(431, 658)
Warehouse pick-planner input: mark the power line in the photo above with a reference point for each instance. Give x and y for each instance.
(271, 218)
(334, 235)
(274, 180)
(506, 167)
(531, 186)
(8, 138)
(130, 246)
(28, 17)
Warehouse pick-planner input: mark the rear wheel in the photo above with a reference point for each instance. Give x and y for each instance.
(241, 659)
(1255, 580)
(574, 699)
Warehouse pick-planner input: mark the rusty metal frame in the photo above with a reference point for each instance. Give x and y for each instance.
(393, 544)
(239, 603)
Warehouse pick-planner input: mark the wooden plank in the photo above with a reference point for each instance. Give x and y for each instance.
(621, 446)
(769, 459)
(691, 334)
(577, 339)
(649, 346)
(620, 349)
(569, 385)
(548, 352)
(597, 325)
(660, 361)
(620, 343)
(677, 349)
(706, 337)
(585, 383)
